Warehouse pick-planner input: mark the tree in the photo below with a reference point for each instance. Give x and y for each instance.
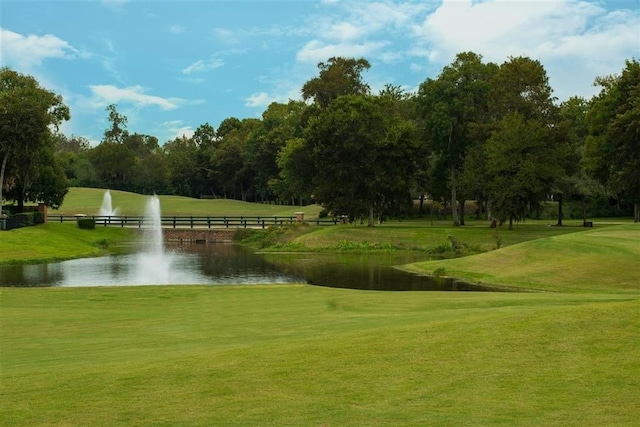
(570, 134)
(280, 123)
(363, 156)
(182, 165)
(228, 162)
(295, 171)
(612, 153)
(117, 132)
(448, 106)
(114, 165)
(27, 113)
(338, 76)
(518, 162)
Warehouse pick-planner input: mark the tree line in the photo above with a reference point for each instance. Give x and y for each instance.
(481, 131)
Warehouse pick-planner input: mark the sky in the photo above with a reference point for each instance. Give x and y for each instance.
(172, 65)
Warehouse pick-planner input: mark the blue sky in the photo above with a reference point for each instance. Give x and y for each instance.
(173, 65)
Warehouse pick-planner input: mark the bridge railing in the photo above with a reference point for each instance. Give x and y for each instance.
(195, 221)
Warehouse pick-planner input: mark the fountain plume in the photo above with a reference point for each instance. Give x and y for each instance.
(107, 207)
(153, 266)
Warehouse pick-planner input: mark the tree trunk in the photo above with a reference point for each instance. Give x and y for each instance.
(489, 210)
(510, 222)
(421, 205)
(584, 210)
(462, 202)
(371, 222)
(4, 166)
(560, 213)
(454, 200)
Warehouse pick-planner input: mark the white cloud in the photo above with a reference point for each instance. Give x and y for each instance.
(104, 95)
(260, 99)
(203, 65)
(316, 50)
(177, 129)
(32, 49)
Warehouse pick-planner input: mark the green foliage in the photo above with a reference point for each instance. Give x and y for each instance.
(27, 117)
(86, 223)
(518, 162)
(363, 247)
(338, 77)
(612, 153)
(364, 156)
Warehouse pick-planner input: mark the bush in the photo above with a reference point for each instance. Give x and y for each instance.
(87, 223)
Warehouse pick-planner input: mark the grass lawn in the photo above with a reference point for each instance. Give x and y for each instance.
(87, 201)
(301, 355)
(50, 242)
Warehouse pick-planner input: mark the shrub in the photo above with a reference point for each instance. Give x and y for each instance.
(87, 223)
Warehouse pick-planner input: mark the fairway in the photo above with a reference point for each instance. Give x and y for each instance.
(301, 355)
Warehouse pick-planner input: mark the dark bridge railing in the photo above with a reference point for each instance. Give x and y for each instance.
(196, 221)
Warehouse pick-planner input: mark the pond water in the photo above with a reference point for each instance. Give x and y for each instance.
(215, 264)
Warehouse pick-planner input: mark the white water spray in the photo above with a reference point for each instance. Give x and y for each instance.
(153, 265)
(107, 208)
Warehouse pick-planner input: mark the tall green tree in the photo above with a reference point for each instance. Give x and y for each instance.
(612, 153)
(364, 156)
(448, 107)
(27, 114)
(117, 130)
(525, 122)
(338, 76)
(519, 161)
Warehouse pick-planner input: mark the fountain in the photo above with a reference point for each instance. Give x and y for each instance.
(107, 209)
(153, 265)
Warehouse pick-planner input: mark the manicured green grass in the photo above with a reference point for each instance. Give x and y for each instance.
(51, 241)
(87, 201)
(604, 259)
(301, 355)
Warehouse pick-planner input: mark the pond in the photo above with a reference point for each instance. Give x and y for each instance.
(216, 264)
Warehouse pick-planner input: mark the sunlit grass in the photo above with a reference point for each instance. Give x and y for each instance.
(603, 260)
(52, 241)
(301, 355)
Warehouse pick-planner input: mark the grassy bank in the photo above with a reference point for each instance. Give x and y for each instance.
(598, 260)
(81, 200)
(300, 355)
(50, 242)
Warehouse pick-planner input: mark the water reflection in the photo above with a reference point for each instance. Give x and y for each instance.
(213, 264)
(183, 264)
